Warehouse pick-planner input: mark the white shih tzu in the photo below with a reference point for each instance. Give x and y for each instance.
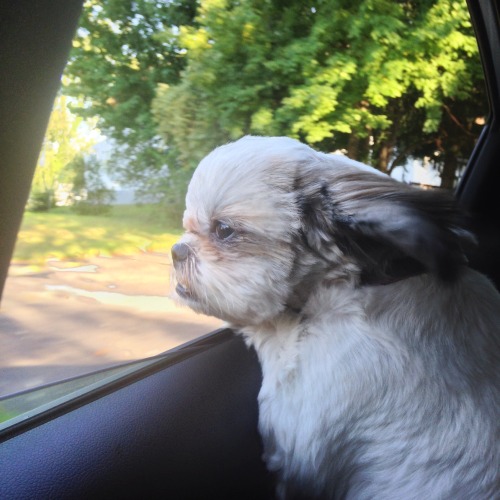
(380, 348)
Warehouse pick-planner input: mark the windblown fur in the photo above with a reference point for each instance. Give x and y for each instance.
(380, 348)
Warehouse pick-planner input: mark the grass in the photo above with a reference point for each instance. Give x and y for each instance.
(6, 415)
(64, 235)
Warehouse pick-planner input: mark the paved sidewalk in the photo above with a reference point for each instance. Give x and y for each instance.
(71, 318)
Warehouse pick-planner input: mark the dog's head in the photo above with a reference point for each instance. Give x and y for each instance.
(268, 219)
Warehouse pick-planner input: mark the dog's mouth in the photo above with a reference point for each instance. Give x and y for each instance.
(183, 291)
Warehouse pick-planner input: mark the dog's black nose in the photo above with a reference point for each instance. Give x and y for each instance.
(180, 252)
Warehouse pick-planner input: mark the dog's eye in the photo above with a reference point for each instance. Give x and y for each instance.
(222, 230)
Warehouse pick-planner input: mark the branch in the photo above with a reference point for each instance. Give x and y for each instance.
(457, 121)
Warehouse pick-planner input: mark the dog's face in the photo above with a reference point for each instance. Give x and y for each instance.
(267, 220)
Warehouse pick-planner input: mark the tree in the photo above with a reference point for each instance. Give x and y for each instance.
(384, 80)
(67, 136)
(90, 194)
(240, 67)
(451, 86)
(117, 60)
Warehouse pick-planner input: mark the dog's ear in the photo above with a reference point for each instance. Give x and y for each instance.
(389, 229)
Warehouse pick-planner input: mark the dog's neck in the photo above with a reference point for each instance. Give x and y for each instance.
(278, 340)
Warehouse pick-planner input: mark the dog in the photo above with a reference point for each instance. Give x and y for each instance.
(379, 346)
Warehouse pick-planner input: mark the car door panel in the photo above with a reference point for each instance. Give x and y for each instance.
(186, 430)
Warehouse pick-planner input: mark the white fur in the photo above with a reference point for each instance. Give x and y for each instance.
(369, 390)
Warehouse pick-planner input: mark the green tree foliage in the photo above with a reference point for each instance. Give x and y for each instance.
(386, 80)
(67, 136)
(90, 194)
(241, 63)
(118, 58)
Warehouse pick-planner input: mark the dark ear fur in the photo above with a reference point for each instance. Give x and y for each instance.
(389, 229)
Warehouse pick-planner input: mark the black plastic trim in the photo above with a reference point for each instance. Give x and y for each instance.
(161, 362)
(35, 41)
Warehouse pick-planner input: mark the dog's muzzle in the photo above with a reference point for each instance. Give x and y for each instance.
(180, 254)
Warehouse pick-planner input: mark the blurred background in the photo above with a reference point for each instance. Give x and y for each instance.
(150, 88)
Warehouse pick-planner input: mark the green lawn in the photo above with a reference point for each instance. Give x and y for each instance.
(62, 234)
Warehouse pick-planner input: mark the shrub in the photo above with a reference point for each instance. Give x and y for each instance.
(98, 202)
(41, 201)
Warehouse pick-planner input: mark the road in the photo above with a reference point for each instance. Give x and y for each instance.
(71, 318)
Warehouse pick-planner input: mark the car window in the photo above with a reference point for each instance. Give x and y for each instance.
(149, 89)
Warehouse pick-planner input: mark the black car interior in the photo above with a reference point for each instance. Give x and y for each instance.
(185, 426)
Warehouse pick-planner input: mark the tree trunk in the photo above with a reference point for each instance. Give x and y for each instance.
(448, 174)
(353, 147)
(384, 154)
(358, 148)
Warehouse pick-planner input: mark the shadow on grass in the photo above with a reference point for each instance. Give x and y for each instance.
(63, 234)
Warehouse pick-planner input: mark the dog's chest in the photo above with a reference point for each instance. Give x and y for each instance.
(306, 390)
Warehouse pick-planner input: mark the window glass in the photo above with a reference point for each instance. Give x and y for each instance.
(153, 86)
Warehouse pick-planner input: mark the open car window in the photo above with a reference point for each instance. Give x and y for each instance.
(413, 106)
(183, 425)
